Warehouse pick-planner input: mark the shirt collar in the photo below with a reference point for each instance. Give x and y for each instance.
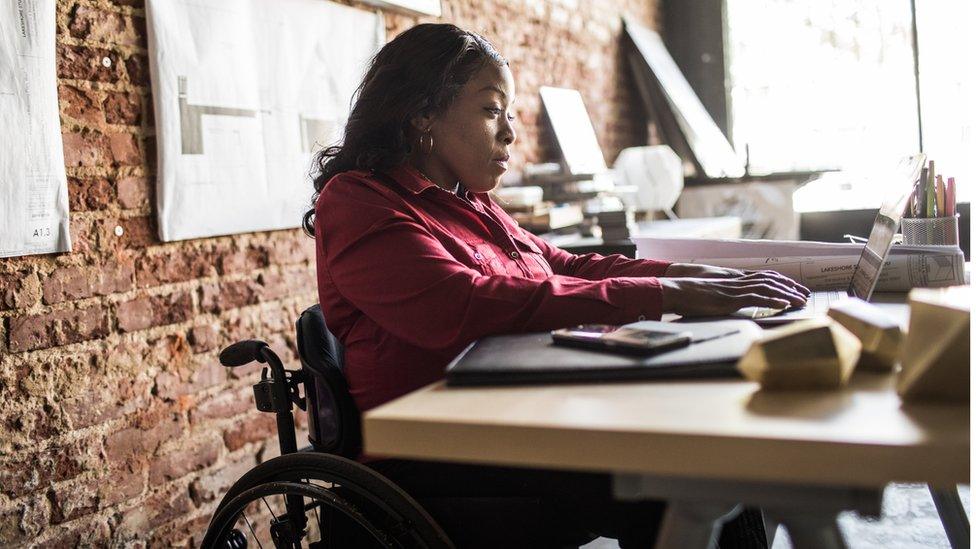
(410, 178)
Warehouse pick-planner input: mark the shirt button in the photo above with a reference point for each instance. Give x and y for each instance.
(478, 256)
(642, 317)
(514, 255)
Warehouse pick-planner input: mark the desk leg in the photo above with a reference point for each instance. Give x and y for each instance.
(953, 516)
(693, 524)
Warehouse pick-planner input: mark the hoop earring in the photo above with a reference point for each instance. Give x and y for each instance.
(430, 143)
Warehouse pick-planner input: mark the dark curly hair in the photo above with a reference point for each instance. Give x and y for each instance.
(420, 72)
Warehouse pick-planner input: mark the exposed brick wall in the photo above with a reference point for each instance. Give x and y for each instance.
(117, 423)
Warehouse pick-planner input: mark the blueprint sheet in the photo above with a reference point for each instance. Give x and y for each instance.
(245, 91)
(33, 188)
(817, 265)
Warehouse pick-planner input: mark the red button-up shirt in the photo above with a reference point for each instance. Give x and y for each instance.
(409, 274)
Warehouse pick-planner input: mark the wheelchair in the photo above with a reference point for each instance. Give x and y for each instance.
(318, 496)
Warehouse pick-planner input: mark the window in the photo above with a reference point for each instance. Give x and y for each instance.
(821, 85)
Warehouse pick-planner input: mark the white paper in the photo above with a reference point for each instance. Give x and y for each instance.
(33, 186)
(816, 265)
(574, 131)
(245, 92)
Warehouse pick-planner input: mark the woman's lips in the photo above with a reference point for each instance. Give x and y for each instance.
(501, 161)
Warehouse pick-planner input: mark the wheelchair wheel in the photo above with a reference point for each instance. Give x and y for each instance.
(317, 501)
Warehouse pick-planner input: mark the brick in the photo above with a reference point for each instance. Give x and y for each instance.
(57, 328)
(123, 108)
(115, 277)
(83, 105)
(204, 338)
(86, 148)
(136, 314)
(173, 265)
(33, 470)
(89, 194)
(133, 192)
(137, 67)
(68, 284)
(19, 290)
(91, 24)
(181, 533)
(83, 236)
(72, 500)
(85, 63)
(252, 429)
(90, 532)
(215, 484)
(139, 232)
(125, 149)
(186, 459)
(286, 284)
(92, 406)
(155, 511)
(206, 372)
(228, 295)
(139, 443)
(170, 352)
(149, 311)
(290, 247)
(223, 405)
(242, 261)
(125, 482)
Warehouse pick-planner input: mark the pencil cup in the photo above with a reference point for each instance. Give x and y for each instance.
(921, 231)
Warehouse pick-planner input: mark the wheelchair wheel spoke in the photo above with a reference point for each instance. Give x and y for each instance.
(273, 515)
(248, 523)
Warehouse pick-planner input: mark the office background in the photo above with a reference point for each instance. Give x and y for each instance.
(118, 422)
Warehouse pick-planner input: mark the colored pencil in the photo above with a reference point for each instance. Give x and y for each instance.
(940, 197)
(930, 210)
(920, 193)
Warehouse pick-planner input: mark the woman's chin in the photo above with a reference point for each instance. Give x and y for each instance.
(485, 184)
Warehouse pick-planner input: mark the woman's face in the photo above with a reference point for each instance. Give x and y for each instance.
(472, 137)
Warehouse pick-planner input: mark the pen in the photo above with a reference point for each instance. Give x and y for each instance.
(930, 191)
(951, 197)
(940, 196)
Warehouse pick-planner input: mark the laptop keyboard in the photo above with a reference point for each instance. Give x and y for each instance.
(817, 303)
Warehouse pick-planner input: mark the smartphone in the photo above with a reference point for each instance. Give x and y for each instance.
(605, 337)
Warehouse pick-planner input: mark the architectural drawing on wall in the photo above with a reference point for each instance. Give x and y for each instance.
(191, 119)
(421, 7)
(33, 186)
(245, 93)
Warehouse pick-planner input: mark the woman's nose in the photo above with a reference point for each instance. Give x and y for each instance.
(508, 134)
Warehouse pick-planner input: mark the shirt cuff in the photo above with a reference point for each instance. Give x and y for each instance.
(639, 298)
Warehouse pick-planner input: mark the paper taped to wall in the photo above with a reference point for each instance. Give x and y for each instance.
(245, 92)
(33, 187)
(816, 265)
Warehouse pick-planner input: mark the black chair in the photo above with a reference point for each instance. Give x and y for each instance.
(334, 424)
(317, 497)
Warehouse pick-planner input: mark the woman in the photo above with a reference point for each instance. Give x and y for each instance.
(415, 261)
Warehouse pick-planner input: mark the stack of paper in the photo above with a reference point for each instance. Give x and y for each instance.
(816, 265)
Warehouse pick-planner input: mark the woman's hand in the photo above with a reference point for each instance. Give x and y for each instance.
(695, 270)
(701, 296)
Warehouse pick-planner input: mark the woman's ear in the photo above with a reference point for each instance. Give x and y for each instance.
(422, 122)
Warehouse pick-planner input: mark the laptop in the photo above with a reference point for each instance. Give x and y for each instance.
(873, 255)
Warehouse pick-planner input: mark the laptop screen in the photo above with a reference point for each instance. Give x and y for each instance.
(868, 269)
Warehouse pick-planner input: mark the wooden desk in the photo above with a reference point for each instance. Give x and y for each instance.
(703, 445)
